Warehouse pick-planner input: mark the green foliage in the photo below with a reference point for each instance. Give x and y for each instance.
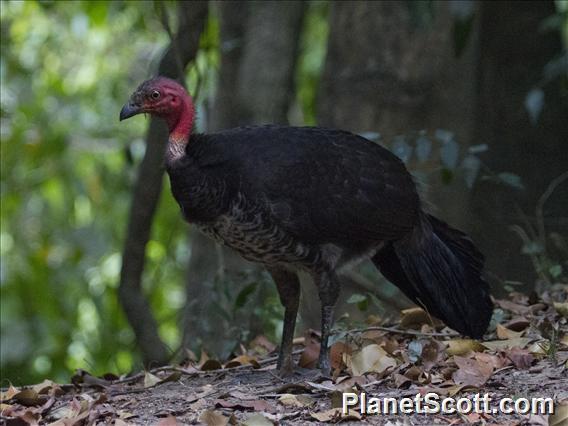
(313, 47)
(67, 172)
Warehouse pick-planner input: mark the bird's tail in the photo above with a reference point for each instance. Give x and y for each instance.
(440, 269)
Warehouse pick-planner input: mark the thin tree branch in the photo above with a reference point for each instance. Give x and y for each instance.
(183, 48)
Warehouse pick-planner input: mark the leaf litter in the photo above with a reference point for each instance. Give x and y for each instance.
(525, 354)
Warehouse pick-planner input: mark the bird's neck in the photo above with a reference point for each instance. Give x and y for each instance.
(180, 126)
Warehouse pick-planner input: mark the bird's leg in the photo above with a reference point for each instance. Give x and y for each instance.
(328, 288)
(288, 287)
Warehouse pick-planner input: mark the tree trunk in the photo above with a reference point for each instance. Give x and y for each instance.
(148, 187)
(513, 55)
(386, 73)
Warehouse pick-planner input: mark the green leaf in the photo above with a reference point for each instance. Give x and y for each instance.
(356, 298)
(462, 32)
(534, 103)
(446, 175)
(511, 179)
(243, 296)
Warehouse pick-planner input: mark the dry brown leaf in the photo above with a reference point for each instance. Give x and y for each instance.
(561, 308)
(463, 346)
(371, 359)
(351, 383)
(521, 358)
(29, 398)
(401, 381)
(242, 395)
(497, 345)
(45, 386)
(169, 421)
(262, 345)
(517, 324)
(336, 352)
(243, 360)
(432, 353)
(472, 372)
(335, 414)
(504, 333)
(414, 317)
(496, 361)
(150, 380)
(513, 307)
(560, 416)
(211, 364)
(291, 400)
(9, 394)
(212, 418)
(310, 354)
(539, 348)
(257, 419)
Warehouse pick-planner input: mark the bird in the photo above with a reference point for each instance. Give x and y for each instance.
(315, 200)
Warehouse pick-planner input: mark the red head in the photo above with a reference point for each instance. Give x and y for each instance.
(164, 98)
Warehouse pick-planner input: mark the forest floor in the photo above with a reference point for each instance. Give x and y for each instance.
(524, 356)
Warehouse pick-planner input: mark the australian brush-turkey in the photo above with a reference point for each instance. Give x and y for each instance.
(314, 199)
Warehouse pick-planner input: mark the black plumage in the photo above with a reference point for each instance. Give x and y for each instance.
(314, 199)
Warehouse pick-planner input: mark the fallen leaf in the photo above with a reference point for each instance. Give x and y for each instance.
(257, 420)
(351, 383)
(496, 361)
(150, 380)
(414, 317)
(497, 345)
(29, 398)
(9, 394)
(212, 418)
(44, 387)
(211, 364)
(243, 360)
(521, 358)
(291, 400)
(560, 416)
(242, 395)
(517, 324)
(262, 345)
(472, 372)
(432, 353)
(371, 359)
(561, 308)
(513, 307)
(401, 381)
(463, 346)
(336, 414)
(84, 378)
(169, 421)
(336, 352)
(310, 354)
(504, 333)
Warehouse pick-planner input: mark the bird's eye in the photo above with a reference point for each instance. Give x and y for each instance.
(155, 94)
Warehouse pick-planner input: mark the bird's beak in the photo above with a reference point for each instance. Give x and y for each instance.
(129, 110)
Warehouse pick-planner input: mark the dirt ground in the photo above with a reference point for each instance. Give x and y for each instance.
(525, 356)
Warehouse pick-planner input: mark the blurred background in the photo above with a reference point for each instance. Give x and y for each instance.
(98, 270)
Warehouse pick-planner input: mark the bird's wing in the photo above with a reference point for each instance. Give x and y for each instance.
(325, 185)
